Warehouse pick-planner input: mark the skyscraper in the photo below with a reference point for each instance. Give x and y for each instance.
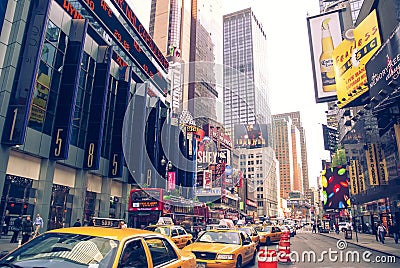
(296, 120)
(192, 27)
(245, 77)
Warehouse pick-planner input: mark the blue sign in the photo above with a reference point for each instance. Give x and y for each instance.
(228, 170)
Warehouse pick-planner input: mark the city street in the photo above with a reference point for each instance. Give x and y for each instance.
(305, 242)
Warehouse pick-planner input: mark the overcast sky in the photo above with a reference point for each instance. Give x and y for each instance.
(289, 64)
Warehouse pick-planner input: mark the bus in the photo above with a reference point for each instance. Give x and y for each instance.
(145, 207)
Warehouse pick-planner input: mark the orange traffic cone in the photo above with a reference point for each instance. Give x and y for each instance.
(284, 249)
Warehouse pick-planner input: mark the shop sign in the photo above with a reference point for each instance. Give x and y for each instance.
(384, 67)
(371, 163)
(208, 192)
(353, 177)
(361, 181)
(382, 168)
(251, 203)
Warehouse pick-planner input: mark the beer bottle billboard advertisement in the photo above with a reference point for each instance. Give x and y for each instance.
(325, 33)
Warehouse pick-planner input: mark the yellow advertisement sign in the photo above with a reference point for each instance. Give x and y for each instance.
(350, 58)
(361, 181)
(353, 177)
(372, 166)
(382, 169)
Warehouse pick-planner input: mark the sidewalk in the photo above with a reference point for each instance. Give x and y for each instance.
(369, 241)
(5, 244)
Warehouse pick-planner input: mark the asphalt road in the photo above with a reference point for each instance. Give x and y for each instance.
(314, 250)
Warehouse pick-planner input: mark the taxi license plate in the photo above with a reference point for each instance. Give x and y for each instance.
(200, 265)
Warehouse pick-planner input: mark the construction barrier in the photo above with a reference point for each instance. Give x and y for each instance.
(284, 249)
(267, 258)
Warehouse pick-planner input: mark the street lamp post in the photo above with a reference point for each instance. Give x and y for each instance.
(168, 167)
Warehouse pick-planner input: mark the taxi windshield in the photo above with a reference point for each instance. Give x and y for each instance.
(220, 237)
(158, 229)
(65, 250)
(246, 230)
(265, 229)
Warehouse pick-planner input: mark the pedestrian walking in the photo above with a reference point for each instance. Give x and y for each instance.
(38, 223)
(27, 230)
(375, 231)
(382, 233)
(77, 223)
(395, 232)
(17, 226)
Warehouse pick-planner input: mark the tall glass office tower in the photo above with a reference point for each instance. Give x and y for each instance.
(246, 98)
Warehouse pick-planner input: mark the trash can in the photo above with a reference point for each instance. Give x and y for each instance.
(348, 234)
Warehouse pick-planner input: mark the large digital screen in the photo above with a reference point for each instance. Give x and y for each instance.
(335, 188)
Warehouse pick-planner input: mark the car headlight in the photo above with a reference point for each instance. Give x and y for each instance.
(225, 257)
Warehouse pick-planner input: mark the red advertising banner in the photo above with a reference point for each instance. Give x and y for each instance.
(171, 180)
(207, 179)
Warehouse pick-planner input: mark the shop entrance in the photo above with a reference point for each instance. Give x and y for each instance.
(58, 215)
(15, 197)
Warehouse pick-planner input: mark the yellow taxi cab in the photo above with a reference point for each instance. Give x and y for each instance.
(252, 232)
(223, 248)
(97, 247)
(177, 234)
(268, 234)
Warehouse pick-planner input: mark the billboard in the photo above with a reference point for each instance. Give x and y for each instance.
(372, 165)
(383, 68)
(335, 188)
(350, 58)
(251, 136)
(325, 33)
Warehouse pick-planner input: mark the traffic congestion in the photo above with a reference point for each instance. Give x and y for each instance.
(111, 244)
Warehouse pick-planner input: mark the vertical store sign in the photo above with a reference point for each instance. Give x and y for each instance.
(21, 95)
(171, 180)
(361, 179)
(353, 177)
(60, 139)
(122, 99)
(207, 179)
(325, 33)
(382, 168)
(350, 58)
(94, 135)
(372, 166)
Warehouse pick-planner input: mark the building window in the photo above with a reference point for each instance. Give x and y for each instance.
(48, 80)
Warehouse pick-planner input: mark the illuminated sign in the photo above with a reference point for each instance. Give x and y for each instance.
(145, 205)
(350, 58)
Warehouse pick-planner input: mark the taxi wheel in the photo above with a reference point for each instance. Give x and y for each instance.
(239, 262)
